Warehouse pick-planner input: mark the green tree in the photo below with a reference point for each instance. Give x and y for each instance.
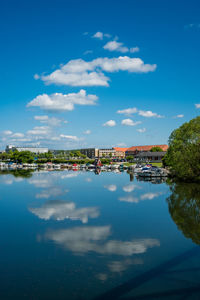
(183, 155)
(184, 208)
(156, 149)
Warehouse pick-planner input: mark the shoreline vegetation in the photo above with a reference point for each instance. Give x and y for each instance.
(183, 155)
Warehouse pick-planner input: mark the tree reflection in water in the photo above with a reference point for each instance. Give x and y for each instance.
(184, 208)
(18, 173)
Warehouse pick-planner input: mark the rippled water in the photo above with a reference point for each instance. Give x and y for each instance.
(79, 235)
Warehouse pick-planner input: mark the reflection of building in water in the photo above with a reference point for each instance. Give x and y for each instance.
(154, 180)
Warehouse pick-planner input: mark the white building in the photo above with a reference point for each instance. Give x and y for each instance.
(31, 149)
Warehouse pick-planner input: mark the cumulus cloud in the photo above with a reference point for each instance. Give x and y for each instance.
(129, 199)
(70, 175)
(148, 114)
(100, 35)
(69, 137)
(121, 266)
(50, 121)
(111, 187)
(143, 113)
(197, 105)
(17, 135)
(149, 196)
(129, 122)
(39, 130)
(146, 196)
(59, 102)
(117, 46)
(129, 188)
(141, 130)
(61, 210)
(79, 72)
(82, 240)
(7, 132)
(51, 192)
(178, 116)
(110, 123)
(128, 111)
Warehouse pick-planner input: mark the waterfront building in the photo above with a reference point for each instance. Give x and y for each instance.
(90, 152)
(31, 149)
(132, 151)
(107, 153)
(149, 156)
(120, 152)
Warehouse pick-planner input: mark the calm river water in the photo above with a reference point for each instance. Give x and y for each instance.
(78, 235)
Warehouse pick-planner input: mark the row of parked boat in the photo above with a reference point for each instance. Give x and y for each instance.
(138, 170)
(149, 171)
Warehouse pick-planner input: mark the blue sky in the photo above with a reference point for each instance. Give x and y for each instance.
(97, 73)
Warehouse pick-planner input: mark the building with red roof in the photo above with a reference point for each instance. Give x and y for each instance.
(120, 152)
(136, 149)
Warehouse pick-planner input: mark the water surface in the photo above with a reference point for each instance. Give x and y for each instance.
(79, 235)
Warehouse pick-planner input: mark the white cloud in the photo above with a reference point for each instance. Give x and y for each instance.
(59, 102)
(79, 72)
(88, 52)
(90, 239)
(134, 49)
(111, 187)
(143, 113)
(120, 266)
(87, 132)
(128, 111)
(61, 210)
(178, 116)
(149, 114)
(197, 105)
(7, 132)
(50, 121)
(149, 196)
(129, 122)
(69, 137)
(121, 145)
(51, 192)
(70, 175)
(100, 35)
(117, 46)
(110, 123)
(129, 188)
(141, 130)
(39, 130)
(129, 199)
(41, 118)
(17, 135)
(146, 196)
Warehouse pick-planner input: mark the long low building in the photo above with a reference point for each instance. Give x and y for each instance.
(132, 151)
(31, 149)
(149, 156)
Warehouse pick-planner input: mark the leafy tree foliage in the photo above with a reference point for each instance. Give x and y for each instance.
(183, 155)
(156, 149)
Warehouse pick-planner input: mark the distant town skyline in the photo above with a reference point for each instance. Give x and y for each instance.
(82, 74)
